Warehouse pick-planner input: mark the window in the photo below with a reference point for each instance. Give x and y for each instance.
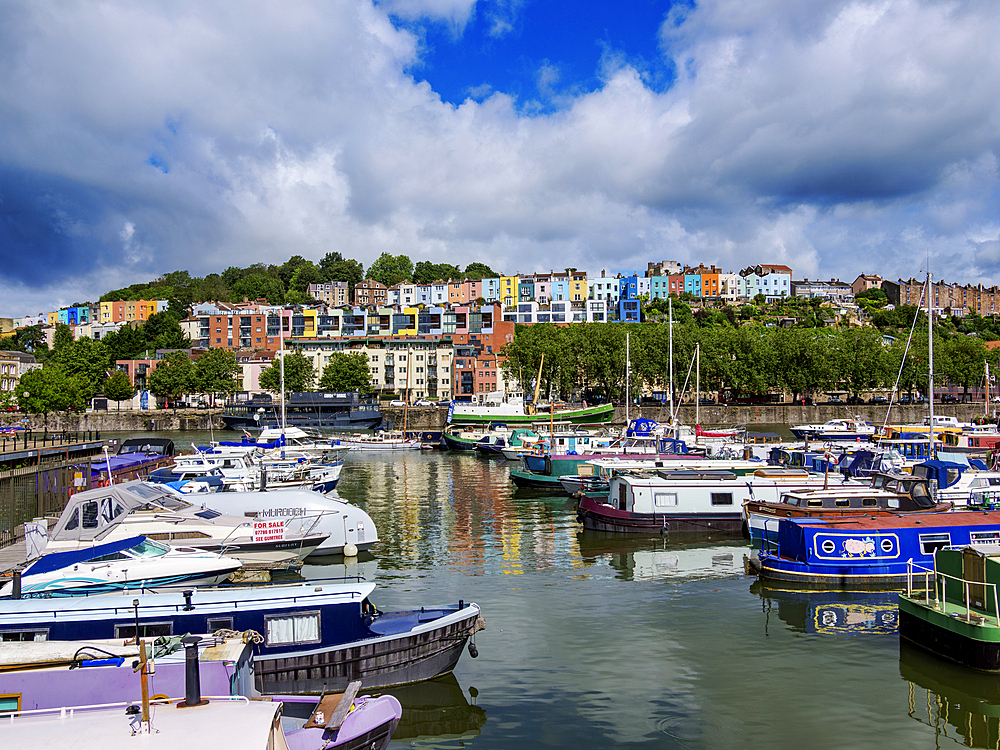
(10, 703)
(31, 634)
(219, 623)
(930, 543)
(722, 498)
(664, 499)
(88, 512)
(299, 628)
(146, 629)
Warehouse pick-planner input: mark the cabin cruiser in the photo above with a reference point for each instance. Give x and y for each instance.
(127, 564)
(852, 429)
(123, 511)
(308, 442)
(382, 440)
(302, 511)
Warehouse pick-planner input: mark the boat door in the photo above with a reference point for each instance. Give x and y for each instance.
(974, 571)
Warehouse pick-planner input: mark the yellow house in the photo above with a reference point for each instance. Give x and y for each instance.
(509, 289)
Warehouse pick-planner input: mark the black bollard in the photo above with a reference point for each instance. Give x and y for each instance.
(192, 675)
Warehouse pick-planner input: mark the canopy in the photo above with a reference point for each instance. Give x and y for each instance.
(57, 560)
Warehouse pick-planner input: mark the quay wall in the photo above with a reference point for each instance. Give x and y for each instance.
(433, 418)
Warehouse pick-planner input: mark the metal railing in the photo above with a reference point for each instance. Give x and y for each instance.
(938, 589)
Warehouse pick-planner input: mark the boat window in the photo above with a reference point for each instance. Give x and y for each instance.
(953, 475)
(10, 703)
(29, 634)
(722, 498)
(869, 502)
(148, 548)
(109, 558)
(664, 499)
(299, 628)
(208, 513)
(146, 629)
(145, 491)
(892, 503)
(930, 543)
(172, 503)
(74, 520)
(216, 624)
(186, 535)
(981, 538)
(814, 503)
(108, 512)
(88, 512)
(842, 502)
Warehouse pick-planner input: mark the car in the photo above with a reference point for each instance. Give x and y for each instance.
(904, 400)
(423, 402)
(835, 400)
(706, 401)
(878, 400)
(855, 400)
(397, 402)
(948, 398)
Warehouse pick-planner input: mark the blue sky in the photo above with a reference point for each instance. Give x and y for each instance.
(529, 50)
(834, 136)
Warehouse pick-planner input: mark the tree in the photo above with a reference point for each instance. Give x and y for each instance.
(426, 272)
(119, 388)
(163, 331)
(173, 377)
(304, 276)
(30, 339)
(391, 269)
(87, 359)
(256, 286)
(49, 389)
(128, 342)
(62, 337)
(217, 371)
(347, 372)
(334, 267)
(299, 374)
(964, 359)
(480, 271)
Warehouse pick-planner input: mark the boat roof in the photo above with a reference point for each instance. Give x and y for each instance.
(113, 502)
(56, 560)
(930, 520)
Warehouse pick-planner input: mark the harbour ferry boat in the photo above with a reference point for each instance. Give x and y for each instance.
(511, 409)
(319, 409)
(889, 492)
(950, 607)
(867, 552)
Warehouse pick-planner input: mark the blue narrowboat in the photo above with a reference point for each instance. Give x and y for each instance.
(869, 551)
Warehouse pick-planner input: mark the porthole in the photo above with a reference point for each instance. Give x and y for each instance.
(828, 546)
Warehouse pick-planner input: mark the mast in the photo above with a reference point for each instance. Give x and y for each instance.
(628, 396)
(697, 387)
(930, 364)
(986, 401)
(281, 334)
(670, 385)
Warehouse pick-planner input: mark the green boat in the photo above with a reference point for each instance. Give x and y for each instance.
(952, 609)
(511, 410)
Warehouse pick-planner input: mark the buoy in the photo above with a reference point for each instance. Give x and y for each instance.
(350, 550)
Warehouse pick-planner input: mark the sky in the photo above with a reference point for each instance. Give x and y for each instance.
(837, 137)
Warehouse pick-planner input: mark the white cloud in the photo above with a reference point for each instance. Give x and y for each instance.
(836, 137)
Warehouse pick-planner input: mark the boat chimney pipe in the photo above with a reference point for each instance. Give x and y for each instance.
(16, 584)
(192, 674)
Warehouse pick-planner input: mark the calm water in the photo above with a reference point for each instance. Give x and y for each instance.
(612, 642)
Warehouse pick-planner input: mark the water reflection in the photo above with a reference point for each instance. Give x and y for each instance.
(654, 558)
(958, 703)
(831, 612)
(438, 709)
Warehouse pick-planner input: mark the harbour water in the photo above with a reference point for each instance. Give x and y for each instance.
(600, 641)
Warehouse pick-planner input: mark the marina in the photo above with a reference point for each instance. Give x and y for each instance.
(691, 628)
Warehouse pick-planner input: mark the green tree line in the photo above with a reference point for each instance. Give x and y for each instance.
(745, 359)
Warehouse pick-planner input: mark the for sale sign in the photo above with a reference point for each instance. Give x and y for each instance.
(268, 531)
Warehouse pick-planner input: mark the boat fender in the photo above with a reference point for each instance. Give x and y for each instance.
(473, 651)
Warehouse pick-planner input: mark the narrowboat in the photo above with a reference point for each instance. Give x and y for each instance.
(686, 500)
(869, 552)
(950, 607)
(888, 493)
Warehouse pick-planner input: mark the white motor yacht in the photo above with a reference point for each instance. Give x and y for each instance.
(123, 511)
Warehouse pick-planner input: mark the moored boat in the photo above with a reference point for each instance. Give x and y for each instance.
(866, 552)
(950, 607)
(511, 409)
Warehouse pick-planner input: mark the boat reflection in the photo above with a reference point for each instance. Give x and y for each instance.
(956, 702)
(655, 558)
(437, 709)
(832, 612)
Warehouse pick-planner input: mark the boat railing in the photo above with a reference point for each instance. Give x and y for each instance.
(939, 599)
(67, 712)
